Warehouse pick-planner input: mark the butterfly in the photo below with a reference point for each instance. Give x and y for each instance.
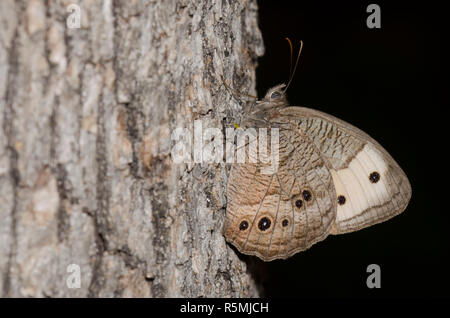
(332, 178)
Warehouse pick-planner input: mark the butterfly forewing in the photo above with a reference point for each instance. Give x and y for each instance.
(371, 187)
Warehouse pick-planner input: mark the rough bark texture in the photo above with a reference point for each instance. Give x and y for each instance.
(86, 174)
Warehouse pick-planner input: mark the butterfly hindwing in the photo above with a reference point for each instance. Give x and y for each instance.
(277, 215)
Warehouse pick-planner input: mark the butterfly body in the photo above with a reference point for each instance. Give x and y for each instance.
(332, 178)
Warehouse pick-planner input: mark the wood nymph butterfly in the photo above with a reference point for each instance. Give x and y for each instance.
(332, 178)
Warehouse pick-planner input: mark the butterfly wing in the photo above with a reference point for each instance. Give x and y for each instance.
(277, 215)
(370, 186)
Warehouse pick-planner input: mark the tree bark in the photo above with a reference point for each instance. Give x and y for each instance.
(86, 174)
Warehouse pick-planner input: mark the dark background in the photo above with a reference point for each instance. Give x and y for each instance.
(386, 82)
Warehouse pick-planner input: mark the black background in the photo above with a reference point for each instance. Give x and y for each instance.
(382, 81)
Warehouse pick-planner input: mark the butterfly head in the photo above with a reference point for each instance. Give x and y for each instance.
(275, 98)
(264, 109)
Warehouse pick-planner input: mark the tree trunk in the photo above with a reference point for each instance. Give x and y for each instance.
(87, 180)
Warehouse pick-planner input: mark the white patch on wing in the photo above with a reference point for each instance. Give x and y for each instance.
(343, 211)
(353, 182)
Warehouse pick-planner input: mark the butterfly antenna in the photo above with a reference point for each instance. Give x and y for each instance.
(290, 64)
(296, 63)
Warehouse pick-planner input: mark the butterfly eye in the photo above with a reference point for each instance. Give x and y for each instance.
(243, 226)
(374, 177)
(275, 95)
(307, 195)
(264, 224)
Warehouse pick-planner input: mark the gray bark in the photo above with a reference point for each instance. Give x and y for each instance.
(86, 174)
